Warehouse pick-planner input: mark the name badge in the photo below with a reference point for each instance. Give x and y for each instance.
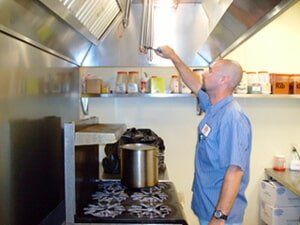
(206, 130)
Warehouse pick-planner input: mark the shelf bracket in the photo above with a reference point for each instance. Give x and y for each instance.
(84, 102)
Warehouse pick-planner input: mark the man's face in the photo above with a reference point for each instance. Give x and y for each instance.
(210, 77)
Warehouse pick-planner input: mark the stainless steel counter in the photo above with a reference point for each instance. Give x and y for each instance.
(289, 179)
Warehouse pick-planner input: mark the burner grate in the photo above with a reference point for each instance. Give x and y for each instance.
(114, 200)
(105, 210)
(150, 210)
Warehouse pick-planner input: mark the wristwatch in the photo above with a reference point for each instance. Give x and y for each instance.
(218, 214)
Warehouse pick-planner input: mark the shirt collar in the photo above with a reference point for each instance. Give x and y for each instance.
(216, 107)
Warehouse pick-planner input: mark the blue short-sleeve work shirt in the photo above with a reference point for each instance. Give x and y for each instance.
(224, 139)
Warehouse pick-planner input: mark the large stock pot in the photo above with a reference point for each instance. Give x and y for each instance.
(139, 165)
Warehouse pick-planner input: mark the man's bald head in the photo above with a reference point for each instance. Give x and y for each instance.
(231, 69)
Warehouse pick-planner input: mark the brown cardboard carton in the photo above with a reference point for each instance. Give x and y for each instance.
(93, 86)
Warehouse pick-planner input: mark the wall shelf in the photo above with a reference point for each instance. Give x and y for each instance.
(137, 95)
(260, 96)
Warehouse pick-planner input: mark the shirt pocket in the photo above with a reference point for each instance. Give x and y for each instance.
(208, 151)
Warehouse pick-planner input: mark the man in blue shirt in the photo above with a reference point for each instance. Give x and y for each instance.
(224, 143)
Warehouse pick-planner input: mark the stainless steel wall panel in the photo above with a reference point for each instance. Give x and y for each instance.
(33, 20)
(38, 93)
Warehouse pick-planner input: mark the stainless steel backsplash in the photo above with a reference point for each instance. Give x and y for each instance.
(38, 93)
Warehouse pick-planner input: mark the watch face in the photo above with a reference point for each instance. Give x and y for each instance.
(218, 214)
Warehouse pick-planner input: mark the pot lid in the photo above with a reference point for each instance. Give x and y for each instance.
(138, 146)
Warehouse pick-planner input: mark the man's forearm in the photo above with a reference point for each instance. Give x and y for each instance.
(230, 189)
(190, 79)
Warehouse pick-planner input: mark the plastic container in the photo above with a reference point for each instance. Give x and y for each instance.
(157, 85)
(242, 88)
(279, 163)
(133, 81)
(121, 82)
(174, 84)
(264, 78)
(254, 85)
(280, 83)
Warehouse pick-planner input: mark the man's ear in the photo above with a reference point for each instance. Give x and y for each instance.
(224, 79)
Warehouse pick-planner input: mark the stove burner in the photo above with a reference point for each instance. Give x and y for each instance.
(111, 196)
(149, 195)
(159, 187)
(111, 186)
(150, 210)
(105, 210)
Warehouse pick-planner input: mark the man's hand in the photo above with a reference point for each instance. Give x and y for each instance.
(166, 52)
(215, 221)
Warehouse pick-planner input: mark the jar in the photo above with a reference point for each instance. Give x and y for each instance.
(174, 85)
(105, 88)
(242, 87)
(254, 85)
(264, 78)
(132, 83)
(121, 82)
(279, 163)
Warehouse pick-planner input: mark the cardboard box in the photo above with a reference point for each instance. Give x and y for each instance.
(158, 85)
(276, 195)
(295, 85)
(280, 83)
(93, 86)
(280, 215)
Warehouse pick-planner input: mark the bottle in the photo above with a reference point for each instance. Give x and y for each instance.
(295, 160)
(174, 85)
(145, 83)
(121, 82)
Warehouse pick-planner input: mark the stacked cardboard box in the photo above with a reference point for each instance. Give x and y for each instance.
(278, 205)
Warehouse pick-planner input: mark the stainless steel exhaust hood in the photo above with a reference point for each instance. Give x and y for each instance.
(202, 31)
(199, 30)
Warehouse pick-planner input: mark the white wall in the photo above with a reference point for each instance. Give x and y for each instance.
(276, 122)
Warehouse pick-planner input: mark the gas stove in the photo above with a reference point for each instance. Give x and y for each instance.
(113, 203)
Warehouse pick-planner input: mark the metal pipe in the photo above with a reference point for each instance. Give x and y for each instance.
(125, 20)
(147, 42)
(144, 19)
(150, 31)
